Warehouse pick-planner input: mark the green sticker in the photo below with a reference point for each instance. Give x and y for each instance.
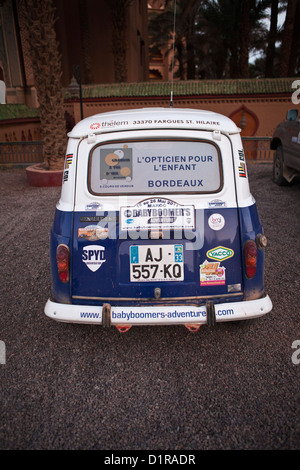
(220, 253)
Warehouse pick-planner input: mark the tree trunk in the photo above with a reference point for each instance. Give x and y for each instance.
(190, 47)
(119, 11)
(272, 39)
(244, 36)
(295, 48)
(180, 59)
(85, 43)
(234, 40)
(287, 38)
(39, 18)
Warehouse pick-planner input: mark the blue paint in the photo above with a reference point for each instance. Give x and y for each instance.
(112, 278)
(61, 233)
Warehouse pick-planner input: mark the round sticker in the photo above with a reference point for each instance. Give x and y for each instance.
(216, 221)
(111, 159)
(95, 125)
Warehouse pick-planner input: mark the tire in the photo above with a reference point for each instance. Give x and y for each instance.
(278, 177)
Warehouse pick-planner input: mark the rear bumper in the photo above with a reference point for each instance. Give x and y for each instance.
(158, 315)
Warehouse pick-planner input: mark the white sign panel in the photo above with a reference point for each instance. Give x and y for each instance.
(155, 167)
(157, 213)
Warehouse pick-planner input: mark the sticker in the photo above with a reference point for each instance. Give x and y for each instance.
(242, 166)
(156, 166)
(220, 253)
(95, 126)
(93, 206)
(161, 314)
(212, 274)
(241, 155)
(99, 218)
(217, 203)
(68, 161)
(216, 221)
(93, 232)
(234, 287)
(116, 164)
(93, 256)
(156, 213)
(242, 170)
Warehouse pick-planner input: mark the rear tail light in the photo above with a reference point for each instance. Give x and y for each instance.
(63, 262)
(250, 254)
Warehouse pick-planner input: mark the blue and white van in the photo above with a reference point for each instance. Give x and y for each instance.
(156, 224)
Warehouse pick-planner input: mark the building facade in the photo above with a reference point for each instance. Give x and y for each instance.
(85, 31)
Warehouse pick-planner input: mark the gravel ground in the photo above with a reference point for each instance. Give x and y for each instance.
(163, 388)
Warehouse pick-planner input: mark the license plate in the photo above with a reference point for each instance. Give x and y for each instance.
(150, 263)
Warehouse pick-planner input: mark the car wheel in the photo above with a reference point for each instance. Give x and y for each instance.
(278, 177)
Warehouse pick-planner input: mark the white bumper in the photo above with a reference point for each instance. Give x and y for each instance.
(158, 315)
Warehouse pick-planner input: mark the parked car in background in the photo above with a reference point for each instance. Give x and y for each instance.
(286, 143)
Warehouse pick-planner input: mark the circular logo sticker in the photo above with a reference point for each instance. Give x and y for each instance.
(95, 125)
(216, 221)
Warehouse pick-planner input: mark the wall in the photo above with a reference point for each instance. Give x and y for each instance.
(255, 106)
(267, 113)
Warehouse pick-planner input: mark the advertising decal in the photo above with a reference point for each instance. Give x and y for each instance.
(93, 232)
(216, 222)
(68, 162)
(156, 213)
(164, 166)
(93, 256)
(242, 166)
(212, 274)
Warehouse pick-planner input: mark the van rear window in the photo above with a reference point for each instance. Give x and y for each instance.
(155, 167)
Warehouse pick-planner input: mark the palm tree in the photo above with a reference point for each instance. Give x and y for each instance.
(119, 12)
(287, 40)
(244, 36)
(161, 29)
(228, 30)
(39, 16)
(217, 32)
(161, 33)
(295, 47)
(272, 38)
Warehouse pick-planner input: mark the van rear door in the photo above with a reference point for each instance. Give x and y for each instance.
(156, 219)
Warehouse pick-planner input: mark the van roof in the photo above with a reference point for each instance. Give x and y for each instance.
(153, 118)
